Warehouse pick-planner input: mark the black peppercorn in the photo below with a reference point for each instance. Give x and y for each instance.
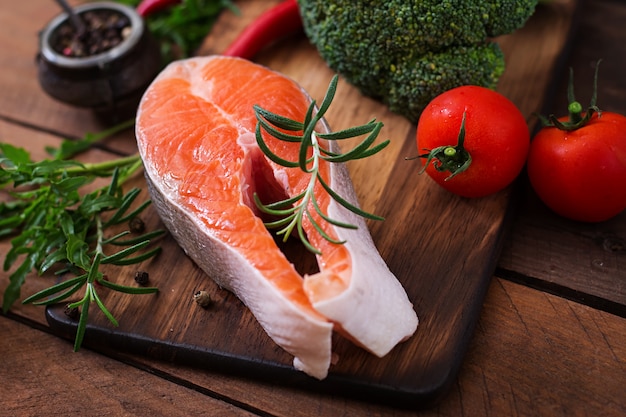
(71, 312)
(142, 277)
(136, 225)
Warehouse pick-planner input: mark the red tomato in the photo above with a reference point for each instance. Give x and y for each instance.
(581, 174)
(496, 138)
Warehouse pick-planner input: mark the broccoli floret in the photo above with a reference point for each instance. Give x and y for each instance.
(406, 52)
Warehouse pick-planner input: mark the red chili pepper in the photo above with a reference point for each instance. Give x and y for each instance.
(272, 25)
(148, 7)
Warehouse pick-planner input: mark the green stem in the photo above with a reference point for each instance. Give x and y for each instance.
(575, 110)
(91, 168)
(99, 235)
(131, 170)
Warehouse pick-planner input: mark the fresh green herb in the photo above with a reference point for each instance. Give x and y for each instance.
(294, 210)
(55, 225)
(181, 28)
(70, 147)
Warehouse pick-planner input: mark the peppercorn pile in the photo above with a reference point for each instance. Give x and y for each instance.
(103, 31)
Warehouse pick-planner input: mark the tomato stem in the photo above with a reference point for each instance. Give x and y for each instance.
(454, 159)
(575, 110)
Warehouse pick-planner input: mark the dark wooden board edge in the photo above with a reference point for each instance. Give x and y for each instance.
(111, 343)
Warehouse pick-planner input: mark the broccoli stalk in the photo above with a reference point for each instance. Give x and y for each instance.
(405, 52)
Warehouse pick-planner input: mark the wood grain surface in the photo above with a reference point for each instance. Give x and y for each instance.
(549, 344)
(92, 382)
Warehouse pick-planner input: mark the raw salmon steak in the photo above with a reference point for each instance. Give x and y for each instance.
(196, 135)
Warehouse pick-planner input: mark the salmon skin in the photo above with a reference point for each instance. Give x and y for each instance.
(196, 135)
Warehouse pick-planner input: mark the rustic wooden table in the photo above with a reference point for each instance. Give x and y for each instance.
(550, 340)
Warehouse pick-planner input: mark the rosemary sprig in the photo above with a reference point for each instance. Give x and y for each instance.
(54, 224)
(313, 151)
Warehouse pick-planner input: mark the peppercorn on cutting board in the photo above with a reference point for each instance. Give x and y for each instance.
(441, 247)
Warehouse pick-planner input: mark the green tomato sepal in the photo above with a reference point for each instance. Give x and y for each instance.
(453, 159)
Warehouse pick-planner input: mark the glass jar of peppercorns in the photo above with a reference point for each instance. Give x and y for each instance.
(105, 64)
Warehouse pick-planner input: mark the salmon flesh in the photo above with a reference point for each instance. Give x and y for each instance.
(196, 135)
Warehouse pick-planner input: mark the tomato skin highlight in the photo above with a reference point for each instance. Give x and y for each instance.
(581, 174)
(496, 137)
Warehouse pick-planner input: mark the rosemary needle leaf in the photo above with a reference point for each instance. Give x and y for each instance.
(305, 241)
(279, 207)
(130, 215)
(111, 259)
(82, 322)
(374, 150)
(137, 259)
(331, 220)
(127, 242)
(126, 289)
(306, 143)
(116, 238)
(347, 204)
(350, 132)
(330, 95)
(55, 289)
(126, 202)
(267, 151)
(61, 296)
(285, 137)
(310, 120)
(322, 232)
(94, 296)
(279, 121)
(358, 151)
(281, 222)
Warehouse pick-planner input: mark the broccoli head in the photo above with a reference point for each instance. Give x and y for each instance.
(406, 52)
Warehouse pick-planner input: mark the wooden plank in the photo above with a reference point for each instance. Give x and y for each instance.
(39, 378)
(533, 354)
(585, 262)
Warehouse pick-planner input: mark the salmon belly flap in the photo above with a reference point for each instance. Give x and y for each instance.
(196, 135)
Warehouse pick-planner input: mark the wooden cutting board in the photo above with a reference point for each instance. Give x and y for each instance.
(441, 247)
